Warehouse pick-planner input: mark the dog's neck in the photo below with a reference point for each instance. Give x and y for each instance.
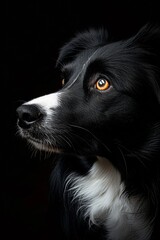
(102, 197)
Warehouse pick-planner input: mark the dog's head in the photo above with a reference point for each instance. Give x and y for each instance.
(110, 95)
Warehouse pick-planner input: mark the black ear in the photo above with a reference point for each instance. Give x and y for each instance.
(148, 39)
(85, 40)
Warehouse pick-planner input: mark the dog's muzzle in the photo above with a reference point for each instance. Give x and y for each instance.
(28, 115)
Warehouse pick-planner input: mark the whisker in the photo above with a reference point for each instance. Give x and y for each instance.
(124, 159)
(89, 132)
(134, 155)
(83, 139)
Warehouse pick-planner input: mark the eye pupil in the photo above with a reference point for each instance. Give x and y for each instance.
(102, 84)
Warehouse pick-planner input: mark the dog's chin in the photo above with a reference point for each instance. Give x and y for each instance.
(40, 144)
(44, 147)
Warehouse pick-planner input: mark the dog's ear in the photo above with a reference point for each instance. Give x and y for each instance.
(88, 39)
(148, 39)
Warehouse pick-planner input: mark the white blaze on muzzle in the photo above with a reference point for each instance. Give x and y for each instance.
(47, 102)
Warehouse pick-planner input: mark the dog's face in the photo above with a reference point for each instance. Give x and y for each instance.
(109, 96)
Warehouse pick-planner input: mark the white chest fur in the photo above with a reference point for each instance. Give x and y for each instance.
(101, 196)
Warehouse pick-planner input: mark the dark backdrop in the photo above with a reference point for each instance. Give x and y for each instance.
(34, 32)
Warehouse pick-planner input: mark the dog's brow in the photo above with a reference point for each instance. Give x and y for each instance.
(82, 68)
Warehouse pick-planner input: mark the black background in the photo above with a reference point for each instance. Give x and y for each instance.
(34, 32)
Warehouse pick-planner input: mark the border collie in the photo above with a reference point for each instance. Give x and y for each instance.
(104, 126)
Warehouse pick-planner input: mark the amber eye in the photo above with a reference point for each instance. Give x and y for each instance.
(63, 82)
(102, 84)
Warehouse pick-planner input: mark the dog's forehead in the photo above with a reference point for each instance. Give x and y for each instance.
(80, 64)
(82, 59)
(85, 57)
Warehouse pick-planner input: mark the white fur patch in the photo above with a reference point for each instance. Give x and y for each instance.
(47, 102)
(101, 195)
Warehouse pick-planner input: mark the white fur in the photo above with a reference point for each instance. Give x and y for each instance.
(47, 102)
(101, 196)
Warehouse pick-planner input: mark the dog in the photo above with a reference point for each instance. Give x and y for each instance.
(104, 127)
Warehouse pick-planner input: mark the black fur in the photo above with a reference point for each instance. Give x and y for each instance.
(121, 124)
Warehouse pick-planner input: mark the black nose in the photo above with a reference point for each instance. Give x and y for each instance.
(28, 114)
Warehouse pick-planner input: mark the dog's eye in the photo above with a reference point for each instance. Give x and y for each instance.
(102, 84)
(63, 82)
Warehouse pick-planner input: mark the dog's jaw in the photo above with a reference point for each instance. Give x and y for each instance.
(43, 147)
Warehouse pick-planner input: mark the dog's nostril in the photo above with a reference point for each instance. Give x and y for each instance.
(28, 114)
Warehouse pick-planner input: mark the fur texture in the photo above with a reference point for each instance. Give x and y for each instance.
(105, 126)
